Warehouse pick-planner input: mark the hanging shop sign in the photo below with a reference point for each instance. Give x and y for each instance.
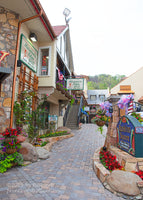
(75, 84)
(28, 54)
(130, 135)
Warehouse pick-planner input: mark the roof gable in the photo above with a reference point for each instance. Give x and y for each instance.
(59, 29)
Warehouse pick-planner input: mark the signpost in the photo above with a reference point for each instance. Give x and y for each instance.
(28, 54)
(130, 135)
(75, 84)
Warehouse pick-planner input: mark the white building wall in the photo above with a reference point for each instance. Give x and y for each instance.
(51, 79)
(136, 82)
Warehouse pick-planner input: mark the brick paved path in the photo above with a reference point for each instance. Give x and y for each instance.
(67, 174)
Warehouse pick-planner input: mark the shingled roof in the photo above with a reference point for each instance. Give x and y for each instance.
(59, 29)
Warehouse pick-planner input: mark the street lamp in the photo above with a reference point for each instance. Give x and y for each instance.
(66, 13)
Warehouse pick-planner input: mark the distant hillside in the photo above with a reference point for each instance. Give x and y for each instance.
(103, 81)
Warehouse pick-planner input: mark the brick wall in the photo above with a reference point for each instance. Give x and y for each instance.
(8, 29)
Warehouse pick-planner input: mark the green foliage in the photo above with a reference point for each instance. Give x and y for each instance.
(55, 134)
(25, 116)
(7, 161)
(18, 158)
(72, 101)
(44, 143)
(137, 116)
(103, 81)
(100, 129)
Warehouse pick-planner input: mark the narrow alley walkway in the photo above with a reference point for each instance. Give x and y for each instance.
(66, 175)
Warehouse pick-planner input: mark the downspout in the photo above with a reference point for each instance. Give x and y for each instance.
(15, 64)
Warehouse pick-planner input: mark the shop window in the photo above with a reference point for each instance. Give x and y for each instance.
(44, 61)
(93, 97)
(102, 98)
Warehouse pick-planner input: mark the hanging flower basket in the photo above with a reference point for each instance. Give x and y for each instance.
(100, 123)
(9, 139)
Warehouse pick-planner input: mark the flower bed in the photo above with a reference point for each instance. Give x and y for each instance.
(139, 173)
(54, 134)
(108, 160)
(9, 160)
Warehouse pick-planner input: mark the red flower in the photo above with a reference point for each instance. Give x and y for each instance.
(109, 161)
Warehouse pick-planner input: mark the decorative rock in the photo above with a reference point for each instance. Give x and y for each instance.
(13, 22)
(3, 18)
(63, 128)
(2, 113)
(139, 197)
(27, 163)
(29, 152)
(42, 153)
(7, 102)
(1, 45)
(124, 182)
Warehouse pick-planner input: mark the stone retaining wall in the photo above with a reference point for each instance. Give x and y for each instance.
(102, 174)
(8, 29)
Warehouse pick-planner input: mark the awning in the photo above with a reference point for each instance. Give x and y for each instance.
(125, 89)
(4, 73)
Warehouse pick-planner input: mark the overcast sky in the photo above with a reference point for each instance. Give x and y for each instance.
(106, 35)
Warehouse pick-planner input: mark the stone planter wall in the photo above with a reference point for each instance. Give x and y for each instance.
(112, 132)
(8, 29)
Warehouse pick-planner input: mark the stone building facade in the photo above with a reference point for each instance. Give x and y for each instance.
(8, 29)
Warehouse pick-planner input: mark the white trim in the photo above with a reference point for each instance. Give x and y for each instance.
(39, 56)
(62, 33)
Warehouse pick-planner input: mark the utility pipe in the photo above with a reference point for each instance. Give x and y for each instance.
(15, 65)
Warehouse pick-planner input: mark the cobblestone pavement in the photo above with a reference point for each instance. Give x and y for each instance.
(67, 174)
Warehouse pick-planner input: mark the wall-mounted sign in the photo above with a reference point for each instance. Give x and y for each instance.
(28, 54)
(3, 54)
(130, 135)
(75, 84)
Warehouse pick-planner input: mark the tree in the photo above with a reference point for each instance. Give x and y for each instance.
(103, 81)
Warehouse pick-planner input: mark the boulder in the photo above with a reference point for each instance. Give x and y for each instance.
(63, 128)
(124, 182)
(29, 152)
(42, 153)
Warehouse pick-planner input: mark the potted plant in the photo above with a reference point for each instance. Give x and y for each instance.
(100, 118)
(10, 143)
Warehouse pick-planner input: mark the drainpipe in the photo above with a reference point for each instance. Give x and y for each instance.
(15, 64)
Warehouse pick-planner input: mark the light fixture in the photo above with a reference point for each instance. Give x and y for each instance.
(33, 37)
(66, 13)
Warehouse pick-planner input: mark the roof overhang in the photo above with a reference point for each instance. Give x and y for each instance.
(54, 96)
(125, 89)
(28, 8)
(4, 73)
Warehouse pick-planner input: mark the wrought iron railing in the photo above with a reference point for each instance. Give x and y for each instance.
(79, 111)
(66, 114)
(138, 106)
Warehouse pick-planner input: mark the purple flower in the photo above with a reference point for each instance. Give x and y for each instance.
(4, 149)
